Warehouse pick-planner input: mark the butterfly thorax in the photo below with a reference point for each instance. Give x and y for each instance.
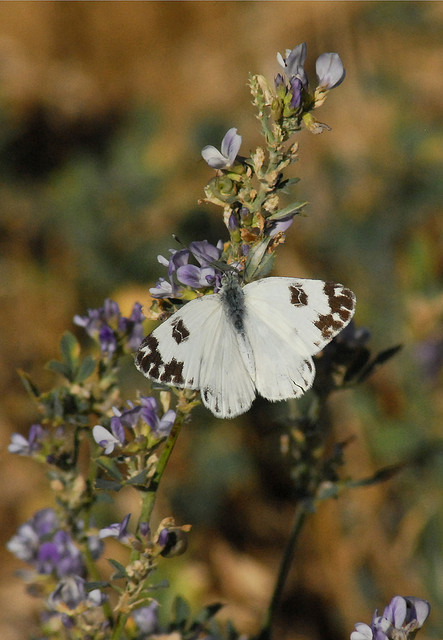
(233, 300)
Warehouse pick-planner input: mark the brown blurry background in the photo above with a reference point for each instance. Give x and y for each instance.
(104, 108)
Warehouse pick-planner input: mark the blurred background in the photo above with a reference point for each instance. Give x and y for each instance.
(104, 108)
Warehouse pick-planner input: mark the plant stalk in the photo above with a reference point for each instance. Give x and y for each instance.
(285, 565)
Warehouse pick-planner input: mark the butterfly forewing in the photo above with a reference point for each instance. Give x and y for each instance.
(196, 348)
(172, 354)
(289, 320)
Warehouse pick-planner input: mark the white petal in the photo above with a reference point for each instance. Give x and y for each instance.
(214, 158)
(18, 443)
(362, 632)
(231, 144)
(330, 70)
(104, 438)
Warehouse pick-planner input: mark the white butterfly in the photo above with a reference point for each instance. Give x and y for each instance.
(241, 341)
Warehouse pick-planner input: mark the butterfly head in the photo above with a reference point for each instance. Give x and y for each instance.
(231, 277)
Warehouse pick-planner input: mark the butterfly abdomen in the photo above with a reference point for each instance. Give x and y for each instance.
(233, 301)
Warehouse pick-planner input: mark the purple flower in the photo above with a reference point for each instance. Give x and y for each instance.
(330, 71)
(146, 618)
(132, 327)
(296, 87)
(118, 530)
(59, 556)
(26, 447)
(106, 439)
(107, 340)
(279, 226)
(159, 426)
(163, 289)
(196, 277)
(109, 327)
(362, 632)
(70, 592)
(51, 550)
(401, 619)
(229, 149)
(119, 420)
(206, 253)
(180, 272)
(147, 411)
(178, 259)
(25, 544)
(294, 63)
(429, 355)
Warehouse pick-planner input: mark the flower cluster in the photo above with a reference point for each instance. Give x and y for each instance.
(135, 419)
(51, 551)
(27, 446)
(401, 620)
(329, 69)
(146, 619)
(113, 331)
(248, 188)
(183, 275)
(71, 597)
(294, 96)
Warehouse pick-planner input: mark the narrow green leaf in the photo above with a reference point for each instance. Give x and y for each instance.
(206, 614)
(379, 359)
(28, 384)
(121, 571)
(139, 479)
(387, 354)
(382, 475)
(109, 465)
(286, 211)
(253, 266)
(98, 584)
(108, 485)
(182, 612)
(289, 182)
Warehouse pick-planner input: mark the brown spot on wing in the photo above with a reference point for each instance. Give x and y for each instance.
(179, 331)
(173, 373)
(327, 325)
(149, 362)
(341, 302)
(299, 297)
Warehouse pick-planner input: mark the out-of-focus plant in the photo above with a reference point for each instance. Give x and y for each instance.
(94, 442)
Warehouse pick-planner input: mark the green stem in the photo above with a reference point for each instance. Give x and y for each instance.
(149, 499)
(119, 628)
(148, 504)
(285, 565)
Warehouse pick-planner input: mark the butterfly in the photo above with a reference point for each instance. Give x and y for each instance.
(247, 340)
